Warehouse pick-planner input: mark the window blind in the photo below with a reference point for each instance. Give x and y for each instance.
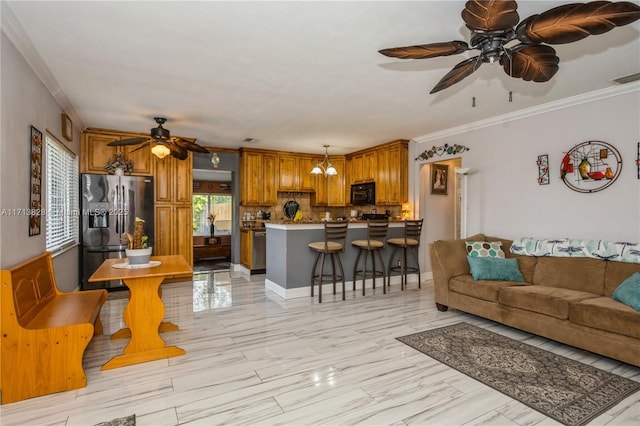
(62, 196)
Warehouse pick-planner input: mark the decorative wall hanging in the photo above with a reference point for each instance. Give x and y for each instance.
(591, 166)
(439, 177)
(35, 207)
(67, 127)
(442, 150)
(543, 169)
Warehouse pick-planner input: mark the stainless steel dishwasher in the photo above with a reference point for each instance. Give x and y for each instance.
(258, 250)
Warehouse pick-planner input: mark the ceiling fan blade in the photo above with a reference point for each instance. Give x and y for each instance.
(459, 72)
(189, 146)
(491, 15)
(425, 51)
(176, 151)
(531, 62)
(144, 145)
(123, 142)
(573, 22)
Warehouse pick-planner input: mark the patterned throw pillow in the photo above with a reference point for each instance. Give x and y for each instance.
(485, 249)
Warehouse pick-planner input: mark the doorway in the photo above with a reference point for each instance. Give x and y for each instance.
(440, 203)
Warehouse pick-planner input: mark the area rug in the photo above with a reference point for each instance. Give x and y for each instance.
(122, 421)
(568, 391)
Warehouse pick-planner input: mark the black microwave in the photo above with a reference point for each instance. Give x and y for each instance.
(363, 193)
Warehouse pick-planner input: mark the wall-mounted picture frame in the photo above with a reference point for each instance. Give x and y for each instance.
(439, 178)
(35, 201)
(67, 127)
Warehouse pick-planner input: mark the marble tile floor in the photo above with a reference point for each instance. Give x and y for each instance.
(256, 359)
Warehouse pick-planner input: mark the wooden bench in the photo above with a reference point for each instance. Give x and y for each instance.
(44, 331)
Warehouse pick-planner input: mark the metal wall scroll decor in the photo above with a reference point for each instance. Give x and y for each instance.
(35, 208)
(543, 169)
(590, 166)
(442, 150)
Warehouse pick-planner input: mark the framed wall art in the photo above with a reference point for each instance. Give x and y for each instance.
(439, 177)
(35, 201)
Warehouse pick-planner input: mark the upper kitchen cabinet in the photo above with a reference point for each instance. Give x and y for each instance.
(330, 190)
(174, 181)
(294, 172)
(95, 153)
(362, 166)
(258, 176)
(391, 174)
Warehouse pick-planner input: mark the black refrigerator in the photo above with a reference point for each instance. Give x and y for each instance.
(110, 204)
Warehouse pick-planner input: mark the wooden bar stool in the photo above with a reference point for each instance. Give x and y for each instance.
(409, 242)
(335, 234)
(375, 242)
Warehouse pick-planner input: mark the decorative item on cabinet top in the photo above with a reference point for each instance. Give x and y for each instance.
(590, 166)
(119, 165)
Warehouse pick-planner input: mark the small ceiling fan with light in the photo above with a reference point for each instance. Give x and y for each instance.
(519, 47)
(162, 143)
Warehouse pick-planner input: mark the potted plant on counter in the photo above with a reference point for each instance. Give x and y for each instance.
(137, 251)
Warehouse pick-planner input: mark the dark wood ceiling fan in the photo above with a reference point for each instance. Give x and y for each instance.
(160, 136)
(494, 24)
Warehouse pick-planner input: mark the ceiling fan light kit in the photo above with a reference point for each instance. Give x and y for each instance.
(494, 24)
(325, 167)
(162, 144)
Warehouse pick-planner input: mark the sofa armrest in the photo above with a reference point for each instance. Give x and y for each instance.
(448, 260)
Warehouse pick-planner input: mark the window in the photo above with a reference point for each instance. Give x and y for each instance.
(62, 196)
(212, 205)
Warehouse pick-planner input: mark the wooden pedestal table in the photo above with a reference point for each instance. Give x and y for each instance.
(145, 310)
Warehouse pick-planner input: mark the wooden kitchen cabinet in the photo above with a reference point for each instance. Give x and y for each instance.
(245, 248)
(362, 167)
(173, 207)
(294, 172)
(258, 175)
(174, 179)
(95, 153)
(330, 190)
(392, 178)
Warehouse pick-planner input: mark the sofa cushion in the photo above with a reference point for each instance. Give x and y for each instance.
(580, 274)
(486, 290)
(494, 268)
(453, 255)
(606, 314)
(545, 300)
(615, 273)
(484, 249)
(629, 292)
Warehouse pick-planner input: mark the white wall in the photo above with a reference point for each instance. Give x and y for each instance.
(504, 198)
(25, 102)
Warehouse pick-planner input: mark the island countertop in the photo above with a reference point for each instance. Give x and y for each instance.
(289, 259)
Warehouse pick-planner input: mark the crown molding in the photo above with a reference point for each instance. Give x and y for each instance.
(529, 112)
(16, 33)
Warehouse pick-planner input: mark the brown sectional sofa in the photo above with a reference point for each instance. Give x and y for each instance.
(564, 299)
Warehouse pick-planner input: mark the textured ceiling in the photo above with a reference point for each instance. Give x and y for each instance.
(295, 75)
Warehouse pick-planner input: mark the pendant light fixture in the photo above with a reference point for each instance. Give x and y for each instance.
(325, 167)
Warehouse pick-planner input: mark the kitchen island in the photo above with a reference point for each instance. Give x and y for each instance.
(289, 259)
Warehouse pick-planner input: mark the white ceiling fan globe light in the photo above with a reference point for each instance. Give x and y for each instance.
(160, 151)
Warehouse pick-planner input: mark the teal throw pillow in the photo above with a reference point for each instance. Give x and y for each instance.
(495, 268)
(485, 249)
(629, 292)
